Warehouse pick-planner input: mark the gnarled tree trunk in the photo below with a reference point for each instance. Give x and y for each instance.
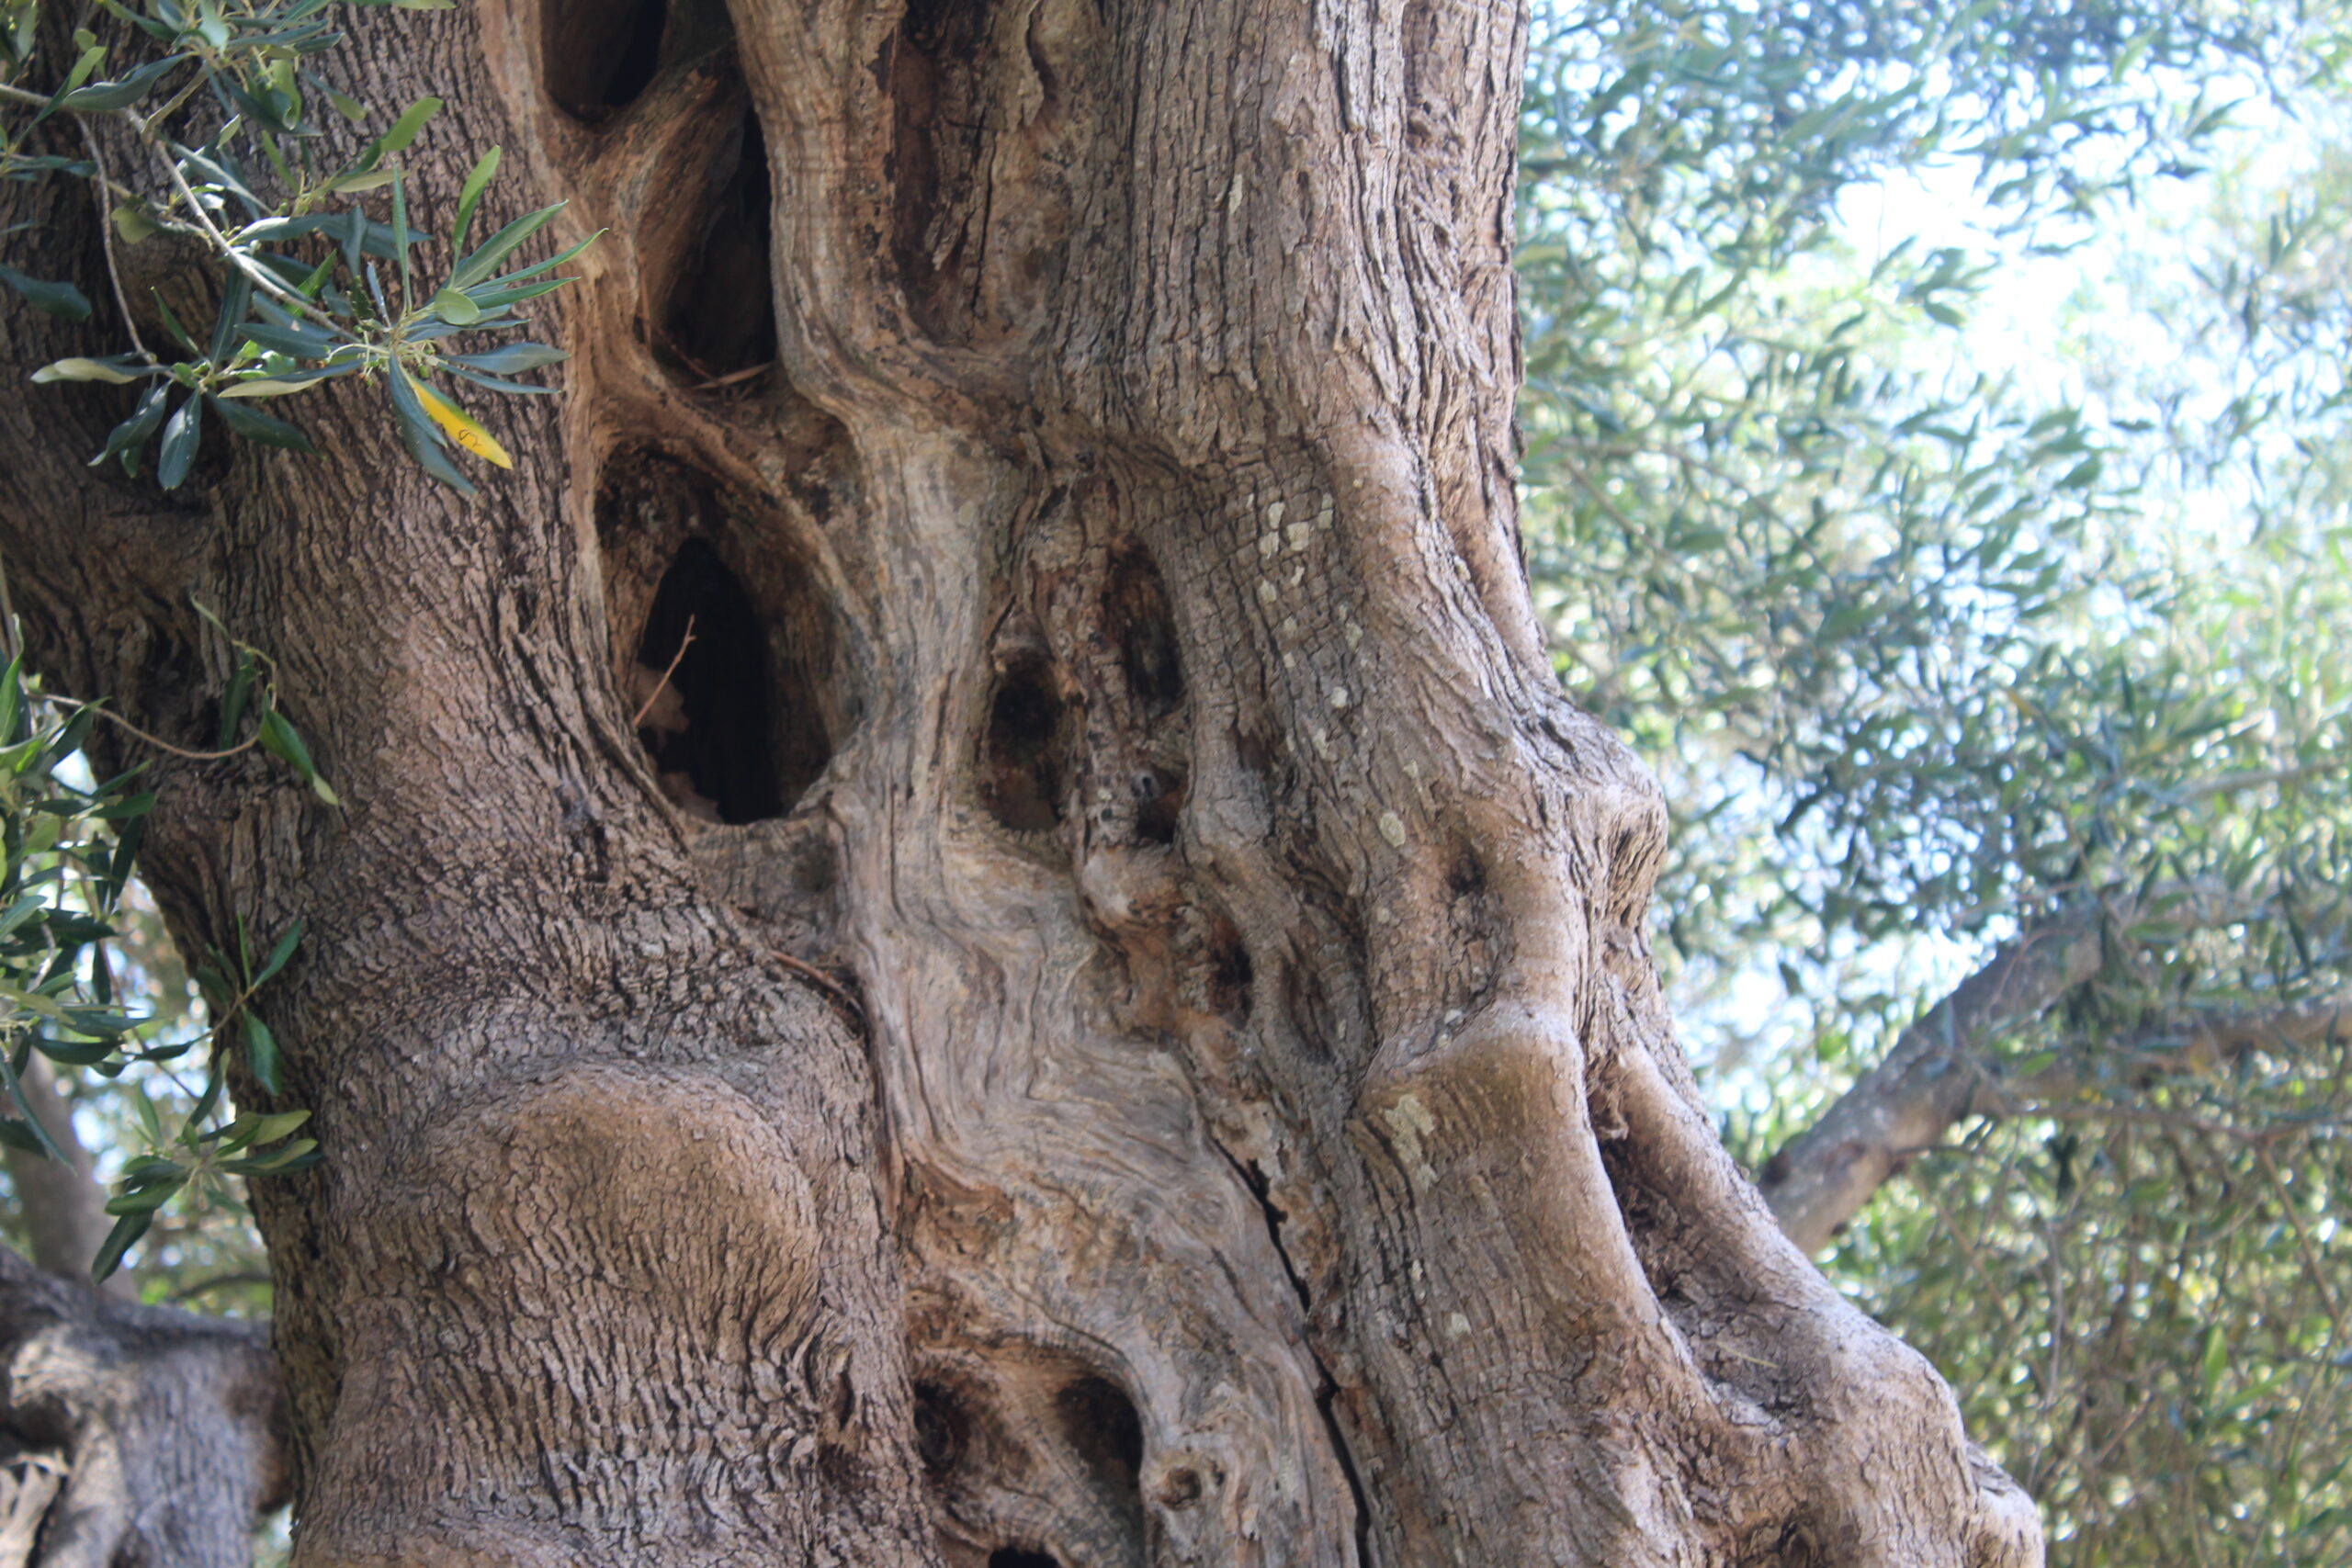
(1254, 1136)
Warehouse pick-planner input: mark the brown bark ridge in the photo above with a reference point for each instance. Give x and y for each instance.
(1078, 432)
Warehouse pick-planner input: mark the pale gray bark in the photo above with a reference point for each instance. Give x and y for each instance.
(167, 1429)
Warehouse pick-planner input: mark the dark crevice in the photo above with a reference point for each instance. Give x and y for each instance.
(1476, 933)
(1262, 1189)
(1326, 1395)
(597, 57)
(1160, 806)
(1326, 1403)
(942, 1427)
(937, 66)
(707, 726)
(1025, 760)
(1102, 1427)
(718, 314)
(1134, 605)
(1020, 1557)
(1789, 1546)
(746, 721)
(633, 67)
(1229, 972)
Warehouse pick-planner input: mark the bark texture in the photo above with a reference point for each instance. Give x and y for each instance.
(166, 1431)
(1245, 1129)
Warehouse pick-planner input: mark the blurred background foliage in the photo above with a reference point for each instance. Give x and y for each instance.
(1936, 464)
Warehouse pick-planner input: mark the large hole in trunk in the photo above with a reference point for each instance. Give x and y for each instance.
(1102, 1427)
(741, 720)
(719, 315)
(597, 57)
(706, 718)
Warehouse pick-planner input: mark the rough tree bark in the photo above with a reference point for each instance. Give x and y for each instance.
(1255, 1136)
(166, 1430)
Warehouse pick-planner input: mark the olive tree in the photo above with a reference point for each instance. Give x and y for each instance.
(964, 923)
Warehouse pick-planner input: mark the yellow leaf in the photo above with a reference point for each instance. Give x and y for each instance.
(459, 427)
(133, 225)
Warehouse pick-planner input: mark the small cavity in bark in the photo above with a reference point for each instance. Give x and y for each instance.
(599, 56)
(1024, 761)
(1159, 803)
(1477, 932)
(1228, 972)
(708, 725)
(942, 1427)
(718, 314)
(1020, 1557)
(1134, 605)
(1102, 1427)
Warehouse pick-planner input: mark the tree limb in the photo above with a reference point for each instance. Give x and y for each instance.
(1935, 1074)
(1929, 1080)
(170, 1426)
(2307, 1023)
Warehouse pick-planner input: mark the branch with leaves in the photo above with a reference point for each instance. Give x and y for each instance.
(237, 163)
(1945, 1068)
(70, 851)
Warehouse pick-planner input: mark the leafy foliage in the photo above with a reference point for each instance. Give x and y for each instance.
(1930, 660)
(71, 849)
(312, 287)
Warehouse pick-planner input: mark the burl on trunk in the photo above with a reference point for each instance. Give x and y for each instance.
(1244, 1128)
